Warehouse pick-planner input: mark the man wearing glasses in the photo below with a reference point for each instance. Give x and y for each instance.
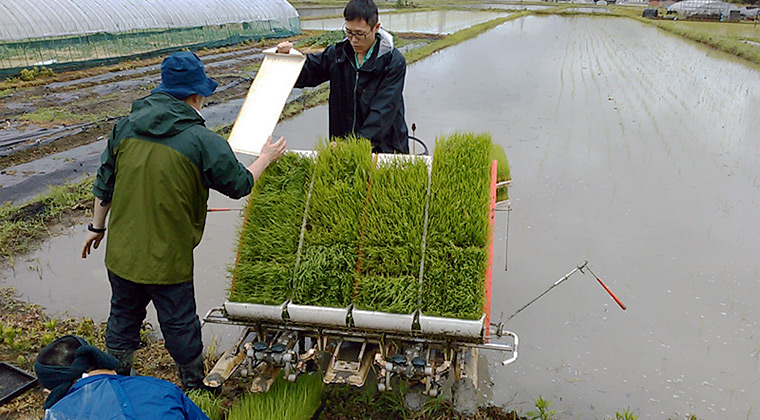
(366, 75)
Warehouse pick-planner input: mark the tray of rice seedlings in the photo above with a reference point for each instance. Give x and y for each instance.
(502, 170)
(460, 191)
(454, 282)
(391, 246)
(326, 272)
(285, 400)
(458, 232)
(269, 235)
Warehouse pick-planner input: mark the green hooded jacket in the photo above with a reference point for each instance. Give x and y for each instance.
(156, 171)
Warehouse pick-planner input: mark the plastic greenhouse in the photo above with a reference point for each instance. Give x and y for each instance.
(702, 8)
(68, 34)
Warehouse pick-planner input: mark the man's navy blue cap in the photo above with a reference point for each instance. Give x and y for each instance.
(182, 75)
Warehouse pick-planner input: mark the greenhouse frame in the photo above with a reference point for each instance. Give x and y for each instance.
(71, 34)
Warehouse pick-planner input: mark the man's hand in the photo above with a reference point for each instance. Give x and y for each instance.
(270, 153)
(273, 151)
(284, 47)
(93, 239)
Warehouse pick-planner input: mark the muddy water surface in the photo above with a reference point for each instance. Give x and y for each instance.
(440, 22)
(638, 152)
(631, 149)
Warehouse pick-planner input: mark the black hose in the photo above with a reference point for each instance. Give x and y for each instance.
(425, 152)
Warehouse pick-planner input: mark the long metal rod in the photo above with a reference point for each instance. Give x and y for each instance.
(607, 289)
(557, 283)
(424, 237)
(303, 230)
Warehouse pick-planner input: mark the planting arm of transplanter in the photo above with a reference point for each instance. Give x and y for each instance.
(567, 276)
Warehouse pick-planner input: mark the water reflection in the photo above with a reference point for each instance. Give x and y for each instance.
(438, 22)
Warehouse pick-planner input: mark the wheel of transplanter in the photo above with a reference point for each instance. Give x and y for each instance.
(425, 151)
(464, 390)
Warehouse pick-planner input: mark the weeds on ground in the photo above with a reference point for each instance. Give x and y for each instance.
(626, 414)
(208, 403)
(321, 40)
(27, 75)
(21, 227)
(543, 410)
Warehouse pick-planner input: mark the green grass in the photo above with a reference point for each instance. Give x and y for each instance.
(322, 40)
(60, 116)
(209, 403)
(22, 227)
(285, 400)
(269, 236)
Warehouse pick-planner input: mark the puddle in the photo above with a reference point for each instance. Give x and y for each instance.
(319, 11)
(439, 22)
(588, 9)
(614, 161)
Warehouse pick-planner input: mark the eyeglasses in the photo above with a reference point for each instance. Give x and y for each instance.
(358, 35)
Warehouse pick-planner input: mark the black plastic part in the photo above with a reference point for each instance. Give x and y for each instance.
(278, 348)
(14, 382)
(399, 359)
(419, 362)
(260, 346)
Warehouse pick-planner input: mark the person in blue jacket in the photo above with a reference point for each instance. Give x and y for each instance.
(84, 386)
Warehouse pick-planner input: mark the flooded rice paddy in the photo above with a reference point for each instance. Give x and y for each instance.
(439, 22)
(629, 148)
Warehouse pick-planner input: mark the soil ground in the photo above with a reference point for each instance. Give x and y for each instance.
(26, 328)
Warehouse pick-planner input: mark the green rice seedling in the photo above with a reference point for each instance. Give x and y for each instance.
(454, 282)
(392, 237)
(395, 209)
(209, 403)
(285, 400)
(387, 294)
(267, 283)
(391, 260)
(460, 191)
(502, 169)
(327, 269)
(325, 276)
(341, 176)
(269, 236)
